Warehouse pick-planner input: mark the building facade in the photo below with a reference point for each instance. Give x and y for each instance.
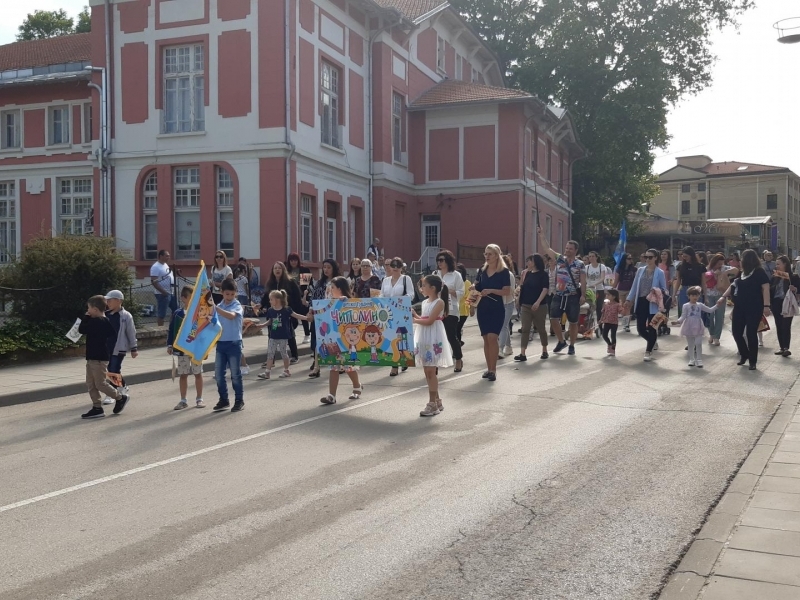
(698, 189)
(267, 126)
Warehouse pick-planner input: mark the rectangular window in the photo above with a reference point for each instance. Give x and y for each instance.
(8, 221)
(87, 123)
(150, 217)
(772, 201)
(701, 187)
(186, 192)
(440, 53)
(701, 206)
(397, 127)
(549, 174)
(225, 211)
(330, 105)
(184, 89)
(75, 206)
(685, 207)
(10, 120)
(58, 125)
(686, 188)
(331, 238)
(306, 227)
(459, 67)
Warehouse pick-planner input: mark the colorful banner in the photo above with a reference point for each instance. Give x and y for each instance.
(200, 328)
(370, 332)
(621, 243)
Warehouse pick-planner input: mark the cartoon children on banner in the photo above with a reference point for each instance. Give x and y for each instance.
(367, 331)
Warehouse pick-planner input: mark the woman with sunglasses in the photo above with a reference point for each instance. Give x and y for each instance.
(689, 273)
(624, 274)
(366, 284)
(219, 273)
(648, 278)
(396, 285)
(446, 263)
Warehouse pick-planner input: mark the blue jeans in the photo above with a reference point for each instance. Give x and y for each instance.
(229, 356)
(162, 304)
(716, 320)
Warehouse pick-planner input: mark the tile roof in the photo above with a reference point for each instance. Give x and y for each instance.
(738, 168)
(412, 9)
(40, 53)
(452, 91)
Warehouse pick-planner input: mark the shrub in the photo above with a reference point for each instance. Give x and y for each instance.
(56, 275)
(40, 336)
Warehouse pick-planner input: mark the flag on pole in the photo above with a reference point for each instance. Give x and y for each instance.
(200, 328)
(621, 243)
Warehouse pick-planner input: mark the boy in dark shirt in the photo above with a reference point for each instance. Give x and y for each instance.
(97, 329)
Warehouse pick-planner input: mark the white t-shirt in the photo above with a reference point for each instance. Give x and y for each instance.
(163, 274)
(395, 291)
(218, 276)
(596, 276)
(453, 281)
(512, 296)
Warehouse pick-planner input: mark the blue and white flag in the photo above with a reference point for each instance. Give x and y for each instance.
(200, 328)
(621, 243)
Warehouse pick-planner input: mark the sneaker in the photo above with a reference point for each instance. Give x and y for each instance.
(787, 353)
(613, 351)
(608, 350)
(760, 345)
(691, 363)
(108, 400)
(439, 405)
(264, 375)
(221, 405)
(647, 357)
(779, 352)
(294, 361)
(699, 364)
(430, 410)
(626, 329)
(94, 413)
(492, 377)
(181, 405)
(237, 406)
(509, 351)
(199, 403)
(485, 375)
(245, 370)
(520, 358)
(559, 347)
(305, 339)
(571, 351)
(285, 374)
(119, 406)
(544, 356)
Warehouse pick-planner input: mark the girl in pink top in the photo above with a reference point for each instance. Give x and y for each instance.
(692, 328)
(609, 320)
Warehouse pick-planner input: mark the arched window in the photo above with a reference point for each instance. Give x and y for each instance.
(150, 217)
(224, 211)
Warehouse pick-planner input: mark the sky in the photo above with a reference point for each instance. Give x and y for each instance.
(749, 113)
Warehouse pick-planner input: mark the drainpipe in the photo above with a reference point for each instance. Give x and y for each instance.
(102, 90)
(370, 157)
(288, 136)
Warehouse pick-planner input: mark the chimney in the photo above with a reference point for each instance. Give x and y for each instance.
(699, 161)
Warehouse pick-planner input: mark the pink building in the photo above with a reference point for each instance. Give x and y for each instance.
(268, 126)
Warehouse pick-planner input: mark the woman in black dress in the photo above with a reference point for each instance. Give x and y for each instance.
(689, 273)
(750, 295)
(783, 282)
(493, 282)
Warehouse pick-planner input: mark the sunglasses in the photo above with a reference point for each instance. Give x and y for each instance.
(440, 260)
(650, 257)
(219, 256)
(362, 266)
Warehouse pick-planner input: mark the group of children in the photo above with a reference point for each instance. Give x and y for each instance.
(690, 320)
(111, 334)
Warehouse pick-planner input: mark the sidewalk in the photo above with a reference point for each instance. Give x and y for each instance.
(32, 382)
(749, 548)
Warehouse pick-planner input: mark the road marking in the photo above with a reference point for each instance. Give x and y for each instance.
(247, 438)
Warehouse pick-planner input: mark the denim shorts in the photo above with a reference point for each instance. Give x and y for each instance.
(162, 304)
(569, 305)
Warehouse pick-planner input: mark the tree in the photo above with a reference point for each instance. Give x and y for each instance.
(84, 24)
(617, 65)
(44, 24)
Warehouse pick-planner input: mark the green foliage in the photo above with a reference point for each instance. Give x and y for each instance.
(40, 336)
(60, 274)
(84, 24)
(617, 66)
(42, 24)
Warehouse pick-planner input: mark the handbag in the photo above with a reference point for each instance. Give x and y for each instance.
(763, 325)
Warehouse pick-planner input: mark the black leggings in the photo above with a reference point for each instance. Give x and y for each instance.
(451, 329)
(461, 321)
(783, 325)
(744, 327)
(642, 320)
(609, 332)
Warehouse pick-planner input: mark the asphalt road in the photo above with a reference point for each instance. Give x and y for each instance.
(577, 477)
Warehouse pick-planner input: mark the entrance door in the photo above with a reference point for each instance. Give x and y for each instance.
(431, 232)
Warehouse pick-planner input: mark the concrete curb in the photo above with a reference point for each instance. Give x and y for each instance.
(697, 566)
(134, 379)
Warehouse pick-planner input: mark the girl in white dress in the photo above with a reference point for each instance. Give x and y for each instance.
(430, 338)
(340, 290)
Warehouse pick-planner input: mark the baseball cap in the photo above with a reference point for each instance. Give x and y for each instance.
(114, 295)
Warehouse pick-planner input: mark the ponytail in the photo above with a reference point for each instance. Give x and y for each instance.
(445, 296)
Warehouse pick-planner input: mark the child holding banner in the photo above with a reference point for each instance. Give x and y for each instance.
(432, 346)
(340, 290)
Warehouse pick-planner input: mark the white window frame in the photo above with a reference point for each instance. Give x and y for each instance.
(330, 237)
(186, 199)
(14, 129)
(330, 80)
(150, 214)
(87, 116)
(459, 67)
(474, 75)
(58, 134)
(184, 78)
(8, 221)
(75, 206)
(440, 54)
(397, 127)
(225, 209)
(306, 227)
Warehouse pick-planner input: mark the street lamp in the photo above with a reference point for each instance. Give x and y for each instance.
(788, 30)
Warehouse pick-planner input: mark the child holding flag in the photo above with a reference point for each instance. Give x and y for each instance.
(229, 348)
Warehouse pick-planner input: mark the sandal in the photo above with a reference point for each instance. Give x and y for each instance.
(329, 399)
(314, 373)
(356, 393)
